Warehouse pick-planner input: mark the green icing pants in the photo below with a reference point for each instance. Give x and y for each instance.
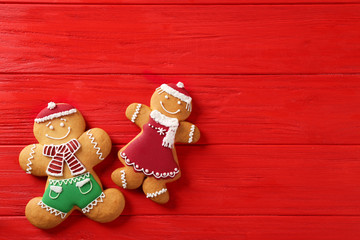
(63, 195)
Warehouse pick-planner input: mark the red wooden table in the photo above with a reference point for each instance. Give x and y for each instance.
(276, 91)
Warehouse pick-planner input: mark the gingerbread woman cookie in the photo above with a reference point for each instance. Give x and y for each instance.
(67, 155)
(150, 158)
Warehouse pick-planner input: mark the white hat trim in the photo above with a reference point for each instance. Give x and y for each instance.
(55, 115)
(175, 93)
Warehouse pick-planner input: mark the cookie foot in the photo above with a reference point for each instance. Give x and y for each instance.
(156, 190)
(108, 207)
(42, 216)
(127, 178)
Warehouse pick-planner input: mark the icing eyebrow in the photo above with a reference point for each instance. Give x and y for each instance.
(63, 119)
(48, 124)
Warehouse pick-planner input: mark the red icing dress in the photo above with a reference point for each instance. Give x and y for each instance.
(147, 154)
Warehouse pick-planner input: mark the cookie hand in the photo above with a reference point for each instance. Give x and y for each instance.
(32, 161)
(187, 133)
(95, 146)
(138, 113)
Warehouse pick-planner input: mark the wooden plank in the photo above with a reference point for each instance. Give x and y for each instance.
(191, 227)
(225, 179)
(229, 109)
(183, 2)
(174, 39)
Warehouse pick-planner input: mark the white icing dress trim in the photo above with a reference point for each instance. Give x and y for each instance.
(98, 152)
(54, 182)
(29, 169)
(171, 123)
(52, 210)
(157, 193)
(136, 113)
(123, 179)
(146, 171)
(55, 115)
(191, 134)
(93, 203)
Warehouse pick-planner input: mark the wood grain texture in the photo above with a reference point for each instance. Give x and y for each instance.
(231, 179)
(193, 227)
(290, 109)
(256, 39)
(184, 2)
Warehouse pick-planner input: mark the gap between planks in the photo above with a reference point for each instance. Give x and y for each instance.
(78, 213)
(177, 74)
(181, 4)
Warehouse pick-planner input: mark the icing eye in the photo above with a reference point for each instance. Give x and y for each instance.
(62, 124)
(51, 127)
(179, 102)
(166, 96)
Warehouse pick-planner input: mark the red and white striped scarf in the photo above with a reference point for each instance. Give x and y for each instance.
(60, 153)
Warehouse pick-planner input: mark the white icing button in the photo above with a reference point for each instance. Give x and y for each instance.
(179, 102)
(166, 96)
(62, 124)
(51, 127)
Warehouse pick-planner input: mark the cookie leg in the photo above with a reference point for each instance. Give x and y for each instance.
(127, 178)
(155, 189)
(109, 208)
(42, 216)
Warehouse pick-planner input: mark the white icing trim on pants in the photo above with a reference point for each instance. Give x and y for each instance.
(52, 210)
(69, 180)
(93, 203)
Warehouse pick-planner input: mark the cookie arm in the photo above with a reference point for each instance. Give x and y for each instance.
(138, 113)
(187, 133)
(95, 147)
(32, 160)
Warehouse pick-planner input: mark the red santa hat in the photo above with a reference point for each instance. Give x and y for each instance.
(54, 110)
(178, 91)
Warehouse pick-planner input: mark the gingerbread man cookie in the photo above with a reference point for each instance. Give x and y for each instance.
(67, 155)
(150, 158)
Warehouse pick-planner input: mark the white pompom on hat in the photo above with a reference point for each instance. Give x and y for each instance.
(176, 90)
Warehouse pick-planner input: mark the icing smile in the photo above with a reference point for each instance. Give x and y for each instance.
(168, 110)
(47, 135)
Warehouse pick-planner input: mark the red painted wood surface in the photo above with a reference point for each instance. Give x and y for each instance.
(279, 39)
(192, 227)
(270, 109)
(276, 91)
(185, 2)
